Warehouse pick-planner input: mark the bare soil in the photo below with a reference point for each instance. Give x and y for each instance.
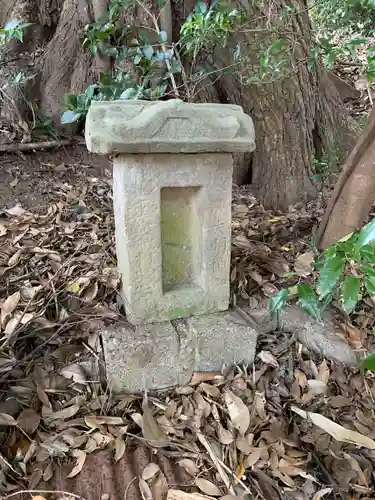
(32, 180)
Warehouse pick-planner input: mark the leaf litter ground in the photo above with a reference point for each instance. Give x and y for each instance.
(292, 426)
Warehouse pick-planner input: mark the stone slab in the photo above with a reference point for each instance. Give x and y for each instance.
(321, 338)
(161, 355)
(222, 339)
(143, 357)
(174, 126)
(173, 226)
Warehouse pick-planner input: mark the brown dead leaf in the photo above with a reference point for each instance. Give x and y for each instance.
(210, 390)
(354, 335)
(238, 412)
(244, 444)
(13, 261)
(68, 412)
(95, 422)
(3, 230)
(29, 420)
(225, 437)
(16, 211)
(150, 471)
(303, 264)
(253, 458)
(301, 378)
(90, 292)
(182, 495)
(7, 420)
(145, 490)
(9, 306)
(338, 432)
(322, 493)
(38, 497)
(150, 428)
(120, 447)
(199, 377)
(323, 372)
(74, 372)
(189, 466)
(268, 358)
(207, 487)
(317, 386)
(80, 461)
(159, 487)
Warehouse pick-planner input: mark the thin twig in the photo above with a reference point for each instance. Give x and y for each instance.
(246, 488)
(216, 462)
(163, 48)
(128, 486)
(41, 492)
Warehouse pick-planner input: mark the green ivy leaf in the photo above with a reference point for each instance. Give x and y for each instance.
(369, 363)
(367, 234)
(309, 302)
(370, 285)
(330, 274)
(350, 293)
(368, 253)
(277, 302)
(70, 117)
(148, 52)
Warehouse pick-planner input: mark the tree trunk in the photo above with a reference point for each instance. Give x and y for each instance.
(296, 117)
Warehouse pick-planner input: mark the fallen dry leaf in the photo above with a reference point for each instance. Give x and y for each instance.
(207, 487)
(9, 306)
(238, 412)
(81, 458)
(322, 493)
(150, 471)
(120, 448)
(150, 428)
(29, 420)
(354, 335)
(68, 412)
(225, 436)
(335, 430)
(303, 264)
(145, 490)
(268, 358)
(7, 420)
(16, 211)
(189, 466)
(182, 495)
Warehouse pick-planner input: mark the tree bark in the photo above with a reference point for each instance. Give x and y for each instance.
(354, 193)
(296, 118)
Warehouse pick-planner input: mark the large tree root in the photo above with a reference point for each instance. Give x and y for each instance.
(354, 193)
(33, 146)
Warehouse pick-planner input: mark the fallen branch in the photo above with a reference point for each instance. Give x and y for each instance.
(33, 146)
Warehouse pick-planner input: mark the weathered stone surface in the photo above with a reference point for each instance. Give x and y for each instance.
(222, 339)
(320, 338)
(167, 127)
(173, 216)
(161, 355)
(144, 357)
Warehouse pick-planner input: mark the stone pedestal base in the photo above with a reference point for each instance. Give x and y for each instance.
(161, 355)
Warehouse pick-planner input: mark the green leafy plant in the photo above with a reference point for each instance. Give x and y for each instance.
(151, 62)
(13, 30)
(325, 166)
(346, 272)
(208, 26)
